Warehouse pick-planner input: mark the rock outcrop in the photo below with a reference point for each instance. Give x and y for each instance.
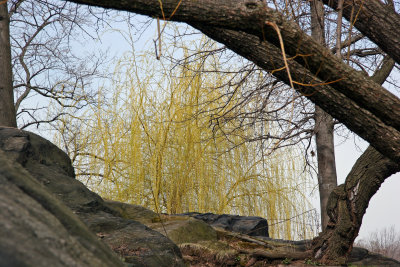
(49, 214)
(37, 229)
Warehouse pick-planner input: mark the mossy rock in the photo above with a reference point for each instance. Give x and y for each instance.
(185, 230)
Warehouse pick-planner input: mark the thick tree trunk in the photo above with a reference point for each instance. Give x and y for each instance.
(347, 205)
(324, 126)
(7, 111)
(327, 179)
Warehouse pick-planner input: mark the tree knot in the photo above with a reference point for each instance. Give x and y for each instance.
(251, 5)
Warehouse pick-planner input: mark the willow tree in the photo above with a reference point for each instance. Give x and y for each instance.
(152, 145)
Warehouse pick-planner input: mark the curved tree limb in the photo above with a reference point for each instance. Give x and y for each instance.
(348, 203)
(251, 16)
(268, 57)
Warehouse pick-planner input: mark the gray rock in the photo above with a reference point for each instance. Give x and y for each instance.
(51, 169)
(249, 225)
(132, 240)
(23, 146)
(50, 166)
(36, 229)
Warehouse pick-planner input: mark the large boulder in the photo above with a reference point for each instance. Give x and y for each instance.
(49, 169)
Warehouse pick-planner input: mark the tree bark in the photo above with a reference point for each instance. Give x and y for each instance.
(7, 111)
(327, 178)
(347, 205)
(324, 126)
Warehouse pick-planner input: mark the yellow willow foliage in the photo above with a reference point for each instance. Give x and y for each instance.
(150, 144)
